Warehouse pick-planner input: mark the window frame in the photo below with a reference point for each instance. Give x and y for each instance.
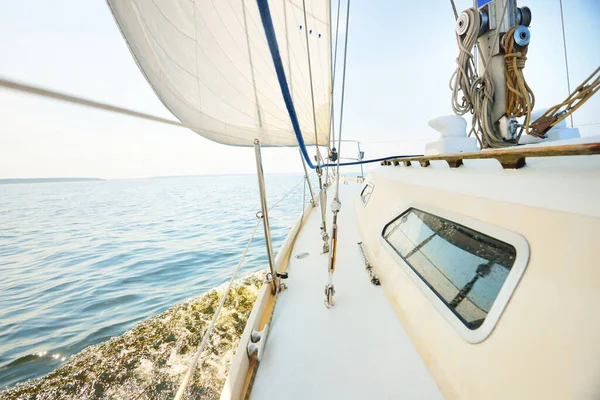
(506, 291)
(362, 200)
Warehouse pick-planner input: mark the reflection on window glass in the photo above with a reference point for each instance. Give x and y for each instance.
(365, 195)
(465, 268)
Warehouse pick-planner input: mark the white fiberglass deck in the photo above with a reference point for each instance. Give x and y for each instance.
(356, 350)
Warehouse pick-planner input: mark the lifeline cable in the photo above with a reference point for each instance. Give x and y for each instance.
(192, 367)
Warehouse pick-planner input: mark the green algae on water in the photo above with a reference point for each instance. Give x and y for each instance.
(150, 360)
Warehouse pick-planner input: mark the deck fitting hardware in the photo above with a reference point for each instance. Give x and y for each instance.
(368, 266)
(513, 158)
(278, 284)
(257, 342)
(302, 255)
(454, 163)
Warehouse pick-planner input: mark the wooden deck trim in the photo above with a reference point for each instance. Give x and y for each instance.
(513, 158)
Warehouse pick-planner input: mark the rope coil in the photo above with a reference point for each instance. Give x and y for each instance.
(520, 99)
(476, 92)
(472, 93)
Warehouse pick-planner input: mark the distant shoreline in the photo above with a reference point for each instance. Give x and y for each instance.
(9, 181)
(46, 180)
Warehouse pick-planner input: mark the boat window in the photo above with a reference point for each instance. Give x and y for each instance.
(463, 267)
(365, 195)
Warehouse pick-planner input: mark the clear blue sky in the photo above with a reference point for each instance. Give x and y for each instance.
(401, 56)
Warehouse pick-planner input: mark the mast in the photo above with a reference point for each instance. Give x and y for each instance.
(488, 47)
(496, 17)
(496, 93)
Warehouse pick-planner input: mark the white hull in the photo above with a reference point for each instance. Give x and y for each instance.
(397, 340)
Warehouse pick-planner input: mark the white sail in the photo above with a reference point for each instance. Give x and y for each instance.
(210, 64)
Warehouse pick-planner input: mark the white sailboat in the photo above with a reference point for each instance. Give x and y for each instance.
(487, 290)
(467, 272)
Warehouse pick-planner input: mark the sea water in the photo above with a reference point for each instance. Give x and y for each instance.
(82, 263)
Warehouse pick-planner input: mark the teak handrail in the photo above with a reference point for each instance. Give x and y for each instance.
(513, 158)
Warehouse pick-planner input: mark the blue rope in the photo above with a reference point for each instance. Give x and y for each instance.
(267, 22)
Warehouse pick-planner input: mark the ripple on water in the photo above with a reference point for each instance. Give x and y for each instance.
(83, 262)
(150, 360)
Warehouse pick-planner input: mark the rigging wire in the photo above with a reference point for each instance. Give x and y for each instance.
(332, 116)
(303, 199)
(82, 101)
(336, 205)
(454, 9)
(476, 48)
(590, 124)
(333, 49)
(286, 195)
(191, 369)
(312, 195)
(319, 170)
(53, 94)
(265, 15)
(337, 186)
(312, 94)
(562, 22)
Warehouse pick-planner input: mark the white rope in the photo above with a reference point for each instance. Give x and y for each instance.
(190, 372)
(477, 91)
